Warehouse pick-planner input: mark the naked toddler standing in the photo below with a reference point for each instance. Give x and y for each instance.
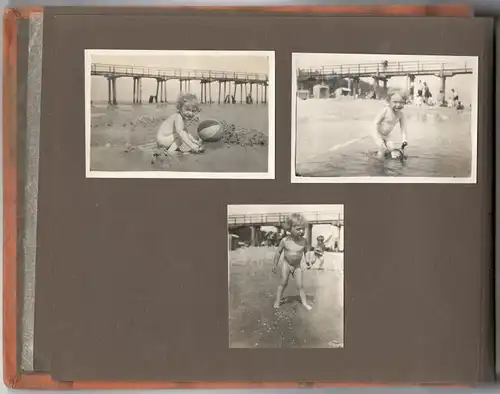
(294, 248)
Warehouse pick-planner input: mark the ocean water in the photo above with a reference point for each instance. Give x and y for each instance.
(333, 140)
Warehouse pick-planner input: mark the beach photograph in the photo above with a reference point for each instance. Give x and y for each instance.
(179, 114)
(286, 276)
(375, 118)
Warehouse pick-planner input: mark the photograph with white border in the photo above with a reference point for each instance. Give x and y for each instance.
(286, 276)
(375, 118)
(179, 114)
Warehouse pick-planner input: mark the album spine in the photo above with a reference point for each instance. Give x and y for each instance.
(496, 202)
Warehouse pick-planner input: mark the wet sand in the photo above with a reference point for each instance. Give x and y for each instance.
(254, 323)
(122, 140)
(333, 139)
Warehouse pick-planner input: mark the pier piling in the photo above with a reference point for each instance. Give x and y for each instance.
(157, 88)
(140, 90)
(443, 90)
(134, 89)
(113, 83)
(109, 91)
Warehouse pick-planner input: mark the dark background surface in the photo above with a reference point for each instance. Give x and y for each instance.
(132, 274)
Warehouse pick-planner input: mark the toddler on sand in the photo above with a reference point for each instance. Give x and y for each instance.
(172, 134)
(294, 248)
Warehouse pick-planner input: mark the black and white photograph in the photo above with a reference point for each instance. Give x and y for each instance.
(375, 118)
(179, 114)
(286, 276)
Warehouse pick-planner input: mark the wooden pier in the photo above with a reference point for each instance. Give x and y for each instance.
(379, 72)
(278, 220)
(229, 83)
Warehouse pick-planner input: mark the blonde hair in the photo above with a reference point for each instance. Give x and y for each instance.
(295, 219)
(185, 98)
(399, 97)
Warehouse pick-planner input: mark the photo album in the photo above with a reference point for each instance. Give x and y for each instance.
(248, 197)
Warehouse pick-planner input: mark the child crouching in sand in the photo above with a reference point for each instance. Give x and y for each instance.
(294, 247)
(172, 135)
(386, 120)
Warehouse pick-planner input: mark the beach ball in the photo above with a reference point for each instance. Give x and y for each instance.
(210, 130)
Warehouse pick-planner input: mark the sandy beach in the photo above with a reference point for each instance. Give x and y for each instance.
(122, 139)
(333, 140)
(254, 323)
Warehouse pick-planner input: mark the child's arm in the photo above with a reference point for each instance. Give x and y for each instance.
(179, 128)
(198, 142)
(195, 140)
(403, 125)
(376, 130)
(306, 251)
(277, 256)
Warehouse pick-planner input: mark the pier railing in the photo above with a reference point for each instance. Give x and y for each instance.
(111, 70)
(390, 69)
(277, 218)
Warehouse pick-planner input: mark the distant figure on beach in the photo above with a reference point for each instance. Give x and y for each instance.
(441, 99)
(455, 97)
(294, 247)
(385, 121)
(172, 134)
(427, 93)
(319, 252)
(420, 93)
(229, 99)
(336, 247)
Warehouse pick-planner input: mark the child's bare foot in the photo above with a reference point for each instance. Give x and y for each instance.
(307, 306)
(276, 304)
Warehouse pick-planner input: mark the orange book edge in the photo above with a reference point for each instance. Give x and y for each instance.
(14, 378)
